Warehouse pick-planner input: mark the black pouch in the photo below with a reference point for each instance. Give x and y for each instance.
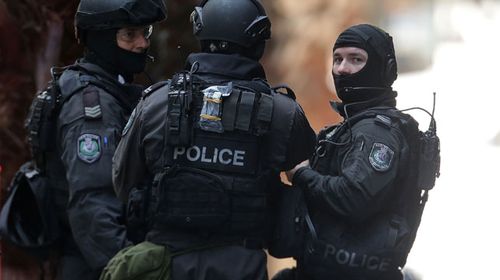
(28, 219)
(137, 222)
(290, 227)
(191, 198)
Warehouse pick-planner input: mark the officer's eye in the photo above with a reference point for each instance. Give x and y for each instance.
(126, 34)
(337, 60)
(130, 34)
(358, 59)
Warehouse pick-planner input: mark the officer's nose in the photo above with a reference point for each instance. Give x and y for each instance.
(141, 44)
(344, 68)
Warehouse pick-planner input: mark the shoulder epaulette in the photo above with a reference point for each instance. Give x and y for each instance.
(383, 120)
(153, 88)
(91, 103)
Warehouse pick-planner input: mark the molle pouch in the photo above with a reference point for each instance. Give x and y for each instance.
(211, 112)
(191, 198)
(429, 160)
(40, 123)
(179, 121)
(375, 252)
(290, 226)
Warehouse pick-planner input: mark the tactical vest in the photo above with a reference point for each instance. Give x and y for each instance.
(29, 219)
(41, 123)
(381, 249)
(216, 177)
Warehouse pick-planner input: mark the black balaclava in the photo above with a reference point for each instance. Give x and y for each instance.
(105, 52)
(370, 82)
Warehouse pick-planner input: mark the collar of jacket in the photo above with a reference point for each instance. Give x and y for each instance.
(127, 94)
(351, 109)
(232, 66)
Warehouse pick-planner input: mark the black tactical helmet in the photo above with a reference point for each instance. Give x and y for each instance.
(242, 22)
(114, 14)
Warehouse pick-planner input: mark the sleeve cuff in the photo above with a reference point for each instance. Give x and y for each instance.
(299, 178)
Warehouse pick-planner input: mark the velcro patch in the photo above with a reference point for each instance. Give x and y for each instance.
(91, 103)
(381, 157)
(89, 147)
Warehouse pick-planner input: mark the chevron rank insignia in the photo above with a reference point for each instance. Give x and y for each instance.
(89, 147)
(91, 103)
(381, 157)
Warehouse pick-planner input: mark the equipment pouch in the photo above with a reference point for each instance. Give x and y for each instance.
(145, 261)
(191, 198)
(28, 219)
(429, 160)
(290, 227)
(179, 120)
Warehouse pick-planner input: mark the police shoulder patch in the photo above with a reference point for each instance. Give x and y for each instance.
(381, 157)
(89, 147)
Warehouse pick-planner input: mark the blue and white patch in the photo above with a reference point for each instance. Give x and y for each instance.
(89, 147)
(381, 157)
(129, 123)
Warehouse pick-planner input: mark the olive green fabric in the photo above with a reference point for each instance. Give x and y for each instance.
(143, 261)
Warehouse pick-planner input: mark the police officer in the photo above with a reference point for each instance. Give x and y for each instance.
(355, 180)
(213, 141)
(97, 97)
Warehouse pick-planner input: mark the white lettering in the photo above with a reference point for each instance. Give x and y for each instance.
(207, 155)
(363, 261)
(352, 262)
(329, 250)
(179, 151)
(372, 263)
(196, 155)
(342, 256)
(352, 259)
(384, 264)
(204, 155)
(221, 156)
(216, 153)
(239, 157)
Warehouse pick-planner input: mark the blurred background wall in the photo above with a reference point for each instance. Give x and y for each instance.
(448, 46)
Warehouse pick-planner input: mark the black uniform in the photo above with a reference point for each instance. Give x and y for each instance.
(352, 187)
(245, 161)
(95, 109)
(365, 188)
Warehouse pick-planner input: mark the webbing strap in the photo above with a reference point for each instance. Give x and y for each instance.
(265, 111)
(230, 110)
(245, 109)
